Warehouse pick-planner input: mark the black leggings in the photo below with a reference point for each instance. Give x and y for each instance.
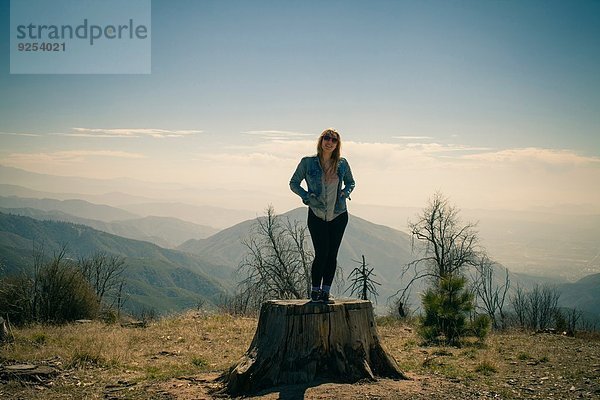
(326, 238)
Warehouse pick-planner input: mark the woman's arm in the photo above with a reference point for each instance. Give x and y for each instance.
(297, 178)
(349, 183)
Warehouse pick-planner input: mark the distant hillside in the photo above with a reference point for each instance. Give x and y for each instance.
(115, 199)
(385, 249)
(166, 280)
(583, 295)
(78, 208)
(209, 217)
(85, 186)
(204, 215)
(563, 243)
(172, 231)
(189, 203)
(162, 231)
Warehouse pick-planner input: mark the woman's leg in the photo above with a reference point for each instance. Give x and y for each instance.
(335, 233)
(320, 239)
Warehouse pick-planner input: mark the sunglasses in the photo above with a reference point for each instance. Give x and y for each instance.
(328, 138)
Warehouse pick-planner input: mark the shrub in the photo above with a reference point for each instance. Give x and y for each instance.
(15, 299)
(446, 307)
(109, 316)
(39, 338)
(86, 357)
(429, 334)
(56, 292)
(62, 294)
(480, 326)
(199, 362)
(524, 356)
(486, 367)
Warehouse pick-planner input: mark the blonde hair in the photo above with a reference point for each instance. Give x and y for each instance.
(336, 155)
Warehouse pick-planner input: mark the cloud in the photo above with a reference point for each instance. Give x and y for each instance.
(65, 157)
(407, 173)
(396, 173)
(416, 157)
(413, 137)
(130, 133)
(19, 134)
(246, 160)
(431, 148)
(534, 155)
(277, 134)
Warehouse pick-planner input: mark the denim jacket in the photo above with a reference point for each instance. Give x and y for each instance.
(309, 169)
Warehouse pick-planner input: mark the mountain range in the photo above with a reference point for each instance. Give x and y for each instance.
(164, 231)
(161, 279)
(384, 248)
(168, 280)
(561, 241)
(563, 244)
(558, 247)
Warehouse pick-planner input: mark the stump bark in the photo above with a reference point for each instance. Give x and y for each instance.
(297, 341)
(4, 334)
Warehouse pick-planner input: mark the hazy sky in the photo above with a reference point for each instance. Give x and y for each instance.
(496, 103)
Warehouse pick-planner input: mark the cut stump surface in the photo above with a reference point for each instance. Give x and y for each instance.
(298, 341)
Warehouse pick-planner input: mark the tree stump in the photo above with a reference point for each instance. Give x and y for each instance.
(297, 341)
(27, 372)
(4, 334)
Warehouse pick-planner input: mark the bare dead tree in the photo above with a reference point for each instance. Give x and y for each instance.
(548, 305)
(6, 287)
(490, 295)
(104, 272)
(573, 317)
(518, 301)
(362, 282)
(299, 235)
(120, 298)
(446, 245)
(7, 301)
(537, 308)
(38, 256)
(241, 303)
(534, 302)
(339, 280)
(449, 245)
(277, 263)
(19, 293)
(587, 325)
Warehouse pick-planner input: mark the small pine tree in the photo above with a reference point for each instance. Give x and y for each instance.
(447, 305)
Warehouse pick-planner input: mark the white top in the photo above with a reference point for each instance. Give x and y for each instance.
(330, 195)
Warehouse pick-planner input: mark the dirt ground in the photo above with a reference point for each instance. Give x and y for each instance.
(419, 387)
(180, 358)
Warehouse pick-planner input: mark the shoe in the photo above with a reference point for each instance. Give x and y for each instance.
(326, 298)
(315, 296)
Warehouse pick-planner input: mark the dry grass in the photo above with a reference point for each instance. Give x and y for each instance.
(163, 345)
(510, 364)
(98, 360)
(97, 353)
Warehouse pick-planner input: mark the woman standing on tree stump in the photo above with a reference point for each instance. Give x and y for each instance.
(326, 201)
